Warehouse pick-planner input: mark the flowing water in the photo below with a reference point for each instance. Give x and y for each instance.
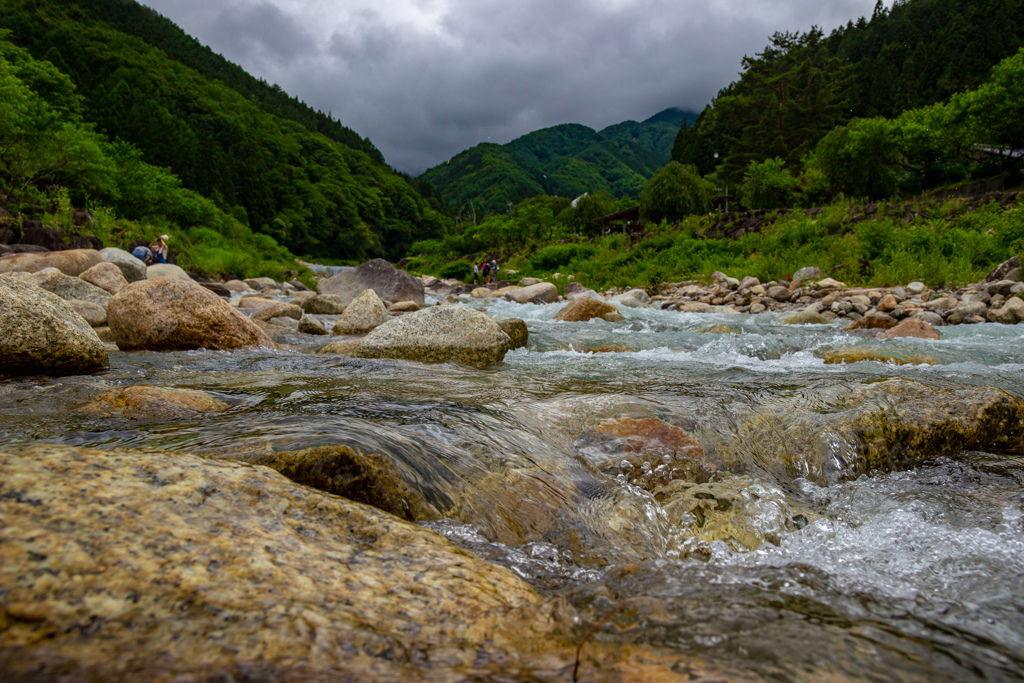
(790, 554)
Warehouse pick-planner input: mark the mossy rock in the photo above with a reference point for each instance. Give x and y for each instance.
(363, 477)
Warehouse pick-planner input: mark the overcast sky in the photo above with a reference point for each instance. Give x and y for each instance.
(425, 79)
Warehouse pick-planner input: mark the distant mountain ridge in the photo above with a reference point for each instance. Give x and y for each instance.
(565, 160)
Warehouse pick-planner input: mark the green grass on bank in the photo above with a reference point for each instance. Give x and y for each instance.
(953, 246)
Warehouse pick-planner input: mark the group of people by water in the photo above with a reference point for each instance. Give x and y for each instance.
(489, 271)
(156, 252)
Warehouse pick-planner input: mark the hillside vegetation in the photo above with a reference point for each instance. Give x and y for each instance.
(565, 161)
(259, 156)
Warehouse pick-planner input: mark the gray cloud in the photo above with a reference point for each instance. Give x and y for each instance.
(425, 79)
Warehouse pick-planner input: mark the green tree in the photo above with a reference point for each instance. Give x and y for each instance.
(674, 192)
(767, 185)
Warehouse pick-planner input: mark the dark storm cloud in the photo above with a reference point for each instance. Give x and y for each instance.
(424, 79)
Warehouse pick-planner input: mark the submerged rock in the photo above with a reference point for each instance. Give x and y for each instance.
(857, 354)
(167, 315)
(152, 403)
(364, 478)
(836, 433)
(439, 334)
(805, 317)
(158, 566)
(40, 333)
(650, 452)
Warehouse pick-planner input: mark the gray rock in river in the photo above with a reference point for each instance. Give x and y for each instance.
(439, 334)
(132, 268)
(365, 313)
(68, 287)
(388, 282)
(40, 333)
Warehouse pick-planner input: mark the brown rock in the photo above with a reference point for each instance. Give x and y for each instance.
(911, 327)
(586, 308)
(153, 403)
(279, 309)
(71, 262)
(106, 276)
(874, 321)
(167, 315)
(888, 303)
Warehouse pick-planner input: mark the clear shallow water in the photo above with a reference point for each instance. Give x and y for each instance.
(914, 574)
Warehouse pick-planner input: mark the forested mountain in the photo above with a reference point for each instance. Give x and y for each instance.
(263, 157)
(801, 86)
(565, 161)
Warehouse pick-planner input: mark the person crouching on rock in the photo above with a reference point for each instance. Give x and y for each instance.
(143, 254)
(159, 247)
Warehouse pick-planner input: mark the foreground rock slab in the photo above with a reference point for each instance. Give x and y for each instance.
(132, 565)
(41, 333)
(168, 315)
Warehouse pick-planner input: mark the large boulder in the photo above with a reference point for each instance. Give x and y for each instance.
(68, 287)
(106, 276)
(541, 293)
(41, 333)
(70, 262)
(167, 315)
(141, 565)
(132, 268)
(585, 308)
(388, 282)
(365, 313)
(168, 270)
(437, 335)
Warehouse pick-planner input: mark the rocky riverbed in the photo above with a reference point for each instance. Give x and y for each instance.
(399, 478)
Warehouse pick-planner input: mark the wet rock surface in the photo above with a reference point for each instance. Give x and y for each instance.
(174, 566)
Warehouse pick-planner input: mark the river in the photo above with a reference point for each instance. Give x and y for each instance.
(805, 563)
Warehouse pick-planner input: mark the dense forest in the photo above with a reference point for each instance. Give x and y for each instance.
(802, 86)
(565, 161)
(260, 156)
